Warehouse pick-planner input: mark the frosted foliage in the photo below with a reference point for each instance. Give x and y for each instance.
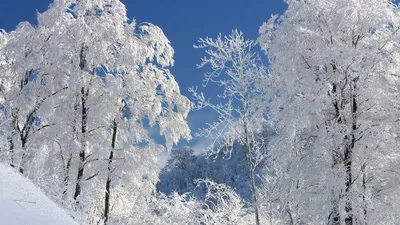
(244, 98)
(66, 83)
(227, 207)
(238, 72)
(158, 45)
(335, 64)
(221, 206)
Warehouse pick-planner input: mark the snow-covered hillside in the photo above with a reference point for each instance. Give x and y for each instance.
(22, 203)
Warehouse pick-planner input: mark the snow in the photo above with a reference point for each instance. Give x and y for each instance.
(22, 203)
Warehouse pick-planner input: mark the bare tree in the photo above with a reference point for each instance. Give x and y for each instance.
(242, 105)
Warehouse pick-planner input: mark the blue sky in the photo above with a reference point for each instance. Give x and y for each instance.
(183, 22)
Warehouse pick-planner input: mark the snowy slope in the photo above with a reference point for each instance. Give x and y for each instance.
(22, 203)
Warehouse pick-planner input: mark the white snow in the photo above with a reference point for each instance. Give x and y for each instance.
(22, 203)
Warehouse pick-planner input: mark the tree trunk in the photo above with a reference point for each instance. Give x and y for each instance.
(12, 151)
(66, 177)
(24, 140)
(251, 172)
(364, 186)
(108, 181)
(348, 159)
(82, 153)
(334, 215)
(254, 196)
(348, 156)
(290, 216)
(24, 132)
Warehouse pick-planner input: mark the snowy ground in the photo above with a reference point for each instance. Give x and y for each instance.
(22, 203)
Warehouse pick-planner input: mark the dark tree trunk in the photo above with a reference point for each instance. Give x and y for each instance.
(24, 132)
(108, 181)
(334, 216)
(364, 186)
(290, 217)
(66, 178)
(12, 152)
(348, 157)
(24, 139)
(82, 153)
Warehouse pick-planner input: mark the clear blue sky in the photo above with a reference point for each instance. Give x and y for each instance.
(183, 22)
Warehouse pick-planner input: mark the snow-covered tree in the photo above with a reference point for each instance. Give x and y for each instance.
(335, 156)
(221, 205)
(25, 90)
(238, 71)
(92, 79)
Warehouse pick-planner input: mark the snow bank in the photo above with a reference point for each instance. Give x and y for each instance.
(22, 203)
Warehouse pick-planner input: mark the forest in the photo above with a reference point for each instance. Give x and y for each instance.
(307, 128)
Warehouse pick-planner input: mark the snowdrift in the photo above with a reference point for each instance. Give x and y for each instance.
(22, 203)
